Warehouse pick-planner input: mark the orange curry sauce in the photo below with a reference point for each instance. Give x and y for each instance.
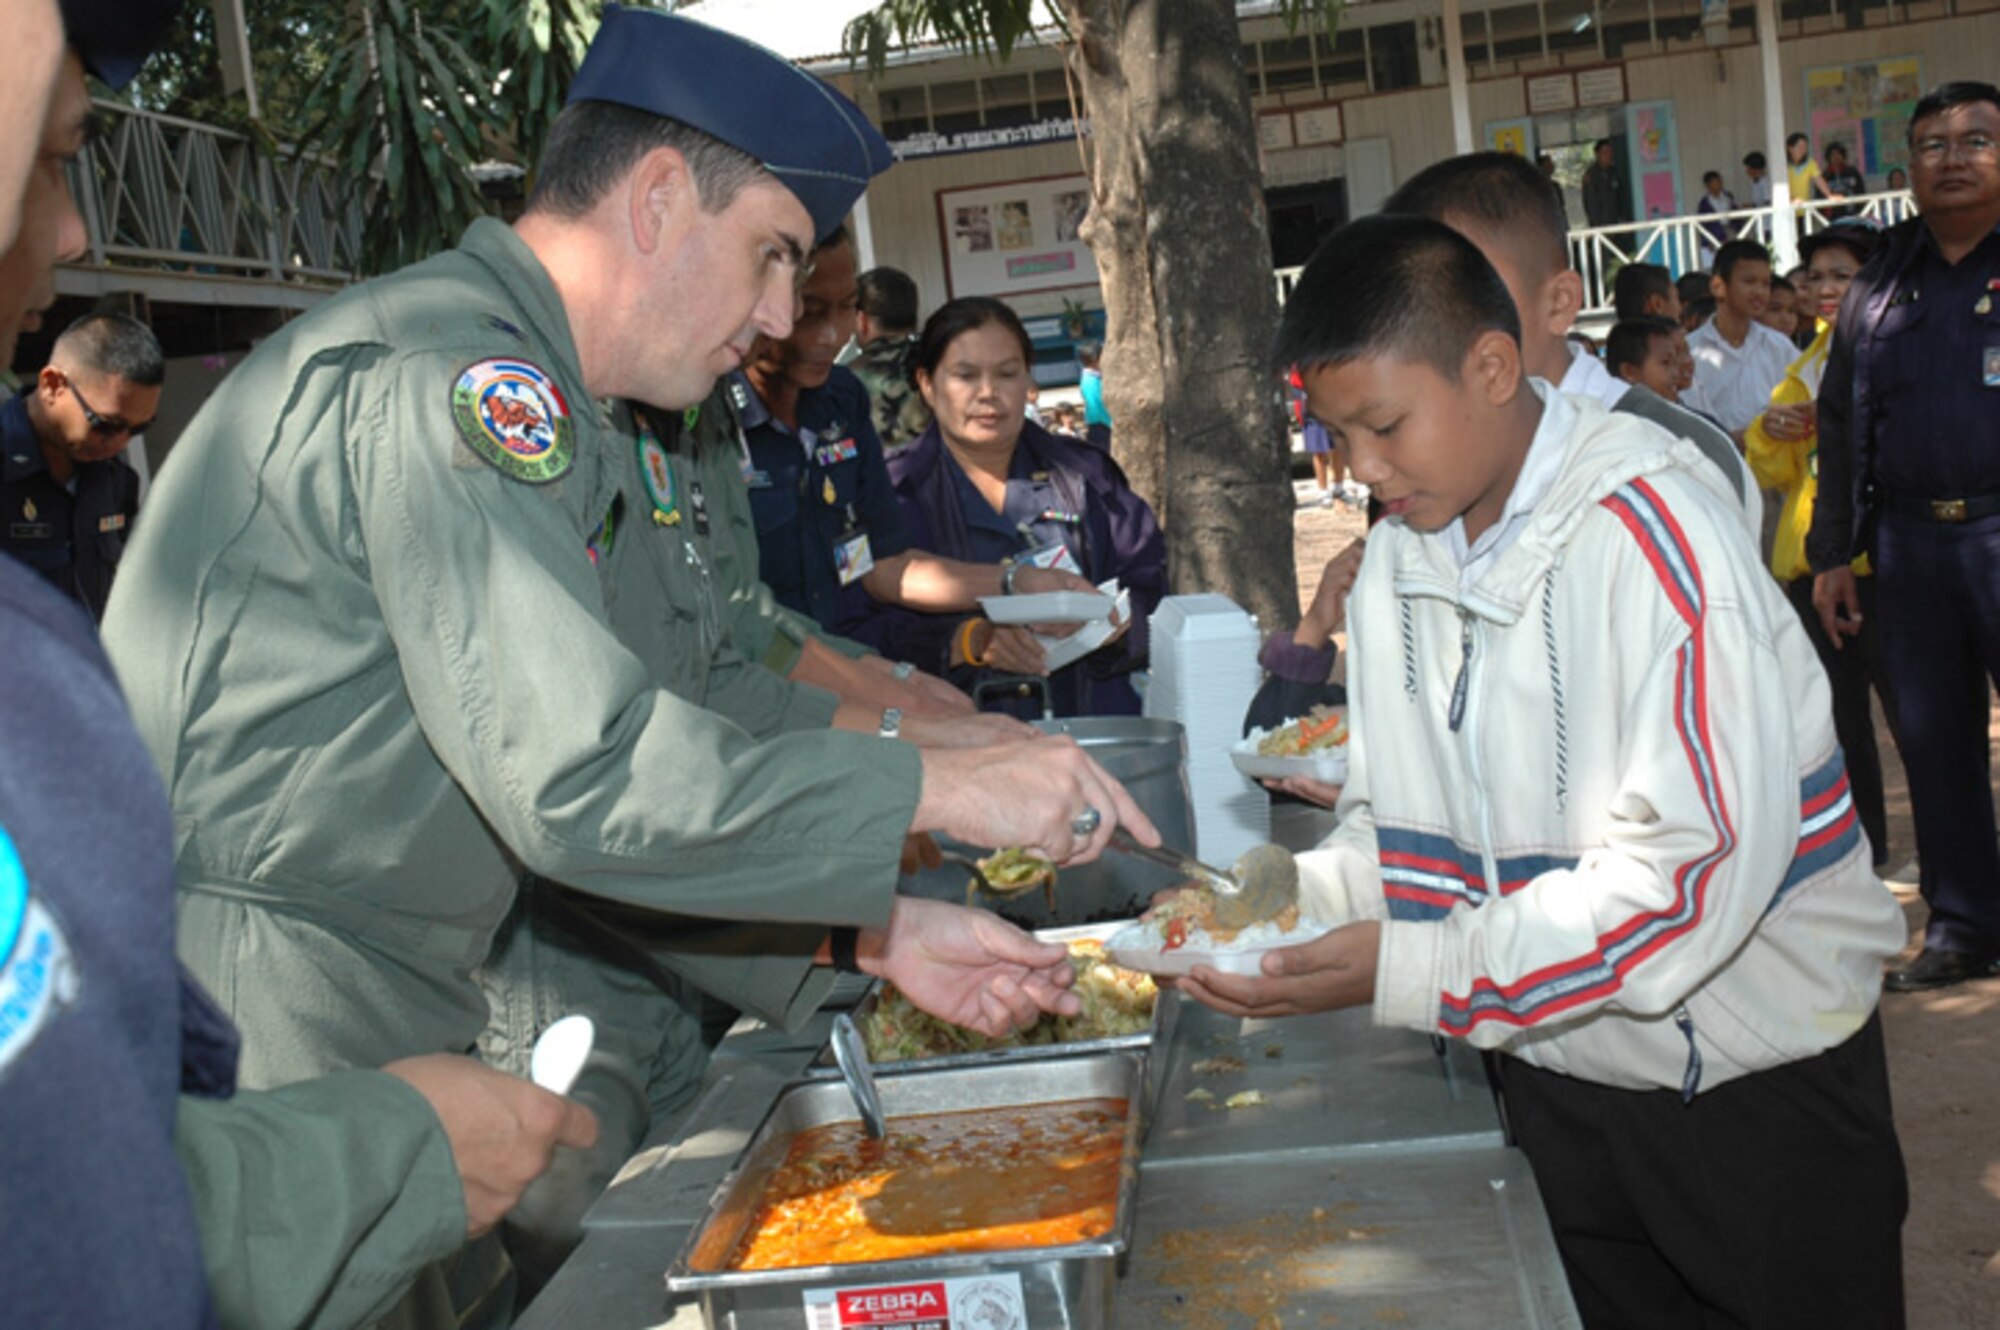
(990, 1180)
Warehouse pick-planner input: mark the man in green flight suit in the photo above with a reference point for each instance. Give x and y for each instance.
(367, 645)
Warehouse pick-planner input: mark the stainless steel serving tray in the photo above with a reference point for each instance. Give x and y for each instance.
(1159, 1035)
(1070, 1286)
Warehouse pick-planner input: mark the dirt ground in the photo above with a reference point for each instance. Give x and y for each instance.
(1944, 1060)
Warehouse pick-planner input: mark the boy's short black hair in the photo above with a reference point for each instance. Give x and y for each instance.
(1692, 285)
(1637, 283)
(1698, 311)
(1631, 340)
(1394, 285)
(1707, 176)
(1947, 95)
(1754, 160)
(1836, 146)
(1739, 251)
(1500, 194)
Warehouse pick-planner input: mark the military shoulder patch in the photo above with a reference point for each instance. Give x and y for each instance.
(512, 415)
(38, 978)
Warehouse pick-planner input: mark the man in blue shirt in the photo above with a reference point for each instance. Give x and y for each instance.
(1909, 466)
(829, 526)
(67, 496)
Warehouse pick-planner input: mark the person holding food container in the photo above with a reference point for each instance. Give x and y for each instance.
(1596, 817)
(987, 485)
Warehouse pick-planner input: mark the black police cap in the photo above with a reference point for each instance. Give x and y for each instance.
(803, 131)
(114, 37)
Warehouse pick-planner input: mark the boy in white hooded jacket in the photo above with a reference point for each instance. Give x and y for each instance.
(1595, 818)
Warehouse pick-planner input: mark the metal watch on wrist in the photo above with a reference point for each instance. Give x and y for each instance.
(1008, 568)
(892, 722)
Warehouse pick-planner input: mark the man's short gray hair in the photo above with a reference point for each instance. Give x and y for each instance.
(116, 346)
(594, 144)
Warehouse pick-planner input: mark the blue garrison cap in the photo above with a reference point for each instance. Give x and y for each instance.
(114, 37)
(804, 132)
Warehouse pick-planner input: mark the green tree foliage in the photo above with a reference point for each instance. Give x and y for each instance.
(405, 97)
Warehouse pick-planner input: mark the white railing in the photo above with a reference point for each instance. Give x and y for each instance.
(1682, 244)
(1686, 244)
(166, 194)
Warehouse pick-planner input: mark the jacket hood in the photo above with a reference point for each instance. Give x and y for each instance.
(1605, 450)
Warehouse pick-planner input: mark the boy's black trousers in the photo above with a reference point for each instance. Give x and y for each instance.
(1775, 1200)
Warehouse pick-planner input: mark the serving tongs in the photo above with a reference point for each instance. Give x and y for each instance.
(859, 1073)
(1264, 882)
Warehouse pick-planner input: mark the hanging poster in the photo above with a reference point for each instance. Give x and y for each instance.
(1551, 92)
(1655, 157)
(1865, 107)
(1515, 136)
(1014, 238)
(1601, 87)
(1317, 124)
(1274, 130)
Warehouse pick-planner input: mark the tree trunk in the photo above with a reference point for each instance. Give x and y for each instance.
(1179, 232)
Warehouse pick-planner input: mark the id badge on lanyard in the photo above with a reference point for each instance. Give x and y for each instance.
(852, 557)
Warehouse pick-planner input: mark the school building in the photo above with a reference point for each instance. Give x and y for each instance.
(990, 186)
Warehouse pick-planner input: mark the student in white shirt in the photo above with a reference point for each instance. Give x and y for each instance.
(1737, 359)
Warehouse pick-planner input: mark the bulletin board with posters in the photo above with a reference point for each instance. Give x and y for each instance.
(1865, 107)
(1017, 238)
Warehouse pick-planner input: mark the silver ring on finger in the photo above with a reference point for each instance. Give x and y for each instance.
(1087, 822)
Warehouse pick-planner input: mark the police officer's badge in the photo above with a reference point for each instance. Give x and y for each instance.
(512, 414)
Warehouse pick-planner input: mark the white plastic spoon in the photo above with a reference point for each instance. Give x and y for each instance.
(561, 1052)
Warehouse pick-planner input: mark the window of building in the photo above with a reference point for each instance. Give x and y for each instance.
(1517, 32)
(1288, 63)
(1392, 52)
(1342, 60)
(1006, 100)
(904, 114)
(1571, 25)
(1478, 52)
(955, 107)
(1253, 68)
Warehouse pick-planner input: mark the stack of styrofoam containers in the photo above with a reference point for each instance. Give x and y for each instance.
(1204, 674)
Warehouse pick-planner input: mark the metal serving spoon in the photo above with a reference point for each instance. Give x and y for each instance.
(1264, 882)
(852, 1055)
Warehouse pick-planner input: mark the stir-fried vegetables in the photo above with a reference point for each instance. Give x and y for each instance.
(1321, 728)
(1115, 1002)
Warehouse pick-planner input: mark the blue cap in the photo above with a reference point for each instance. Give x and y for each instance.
(804, 132)
(114, 37)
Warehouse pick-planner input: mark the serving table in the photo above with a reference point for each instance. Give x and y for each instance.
(1362, 1180)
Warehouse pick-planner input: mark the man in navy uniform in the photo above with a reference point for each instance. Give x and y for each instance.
(829, 525)
(1909, 466)
(67, 495)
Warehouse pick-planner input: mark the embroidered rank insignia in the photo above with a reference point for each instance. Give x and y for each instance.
(115, 522)
(512, 414)
(829, 493)
(841, 450)
(656, 472)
